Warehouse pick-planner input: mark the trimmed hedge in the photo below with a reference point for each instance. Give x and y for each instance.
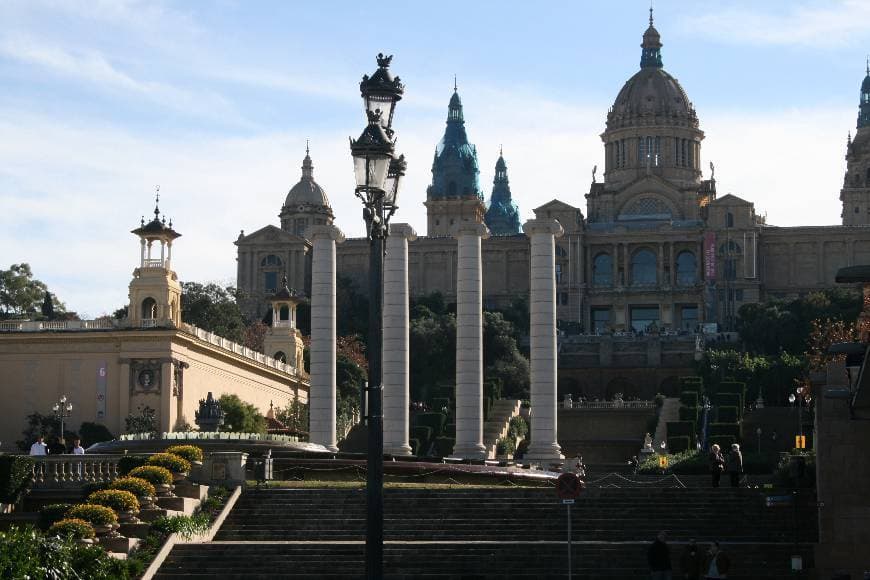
(434, 421)
(128, 463)
(689, 398)
(450, 430)
(116, 499)
(681, 429)
(51, 513)
(506, 446)
(729, 400)
(73, 527)
(444, 446)
(173, 463)
(732, 387)
(96, 515)
(689, 414)
(728, 415)
(678, 444)
(188, 452)
(15, 474)
(153, 474)
(135, 485)
(728, 429)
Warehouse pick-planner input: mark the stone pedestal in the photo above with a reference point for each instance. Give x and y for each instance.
(323, 327)
(469, 342)
(395, 351)
(544, 444)
(226, 468)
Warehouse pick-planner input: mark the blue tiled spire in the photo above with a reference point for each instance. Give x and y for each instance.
(864, 106)
(502, 216)
(455, 171)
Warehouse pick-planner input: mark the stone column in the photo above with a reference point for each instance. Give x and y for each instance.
(542, 334)
(396, 341)
(323, 327)
(469, 341)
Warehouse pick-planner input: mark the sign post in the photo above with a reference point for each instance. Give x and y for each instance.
(568, 488)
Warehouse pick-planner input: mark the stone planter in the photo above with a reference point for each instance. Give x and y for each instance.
(85, 541)
(128, 517)
(164, 490)
(195, 471)
(145, 502)
(107, 531)
(176, 477)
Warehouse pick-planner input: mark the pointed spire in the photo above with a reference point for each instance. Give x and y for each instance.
(651, 14)
(864, 103)
(307, 166)
(651, 55)
(455, 86)
(157, 204)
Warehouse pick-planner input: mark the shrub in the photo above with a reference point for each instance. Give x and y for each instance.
(728, 400)
(689, 414)
(72, 527)
(444, 446)
(117, 499)
(135, 485)
(728, 429)
(91, 487)
(97, 515)
(91, 433)
(424, 434)
(52, 513)
(185, 526)
(506, 446)
(689, 398)
(728, 415)
(450, 430)
(173, 463)
(240, 416)
(128, 463)
(434, 421)
(679, 444)
(681, 429)
(519, 428)
(15, 475)
(732, 387)
(441, 404)
(153, 474)
(189, 452)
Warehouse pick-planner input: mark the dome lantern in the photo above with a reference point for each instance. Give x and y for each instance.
(651, 55)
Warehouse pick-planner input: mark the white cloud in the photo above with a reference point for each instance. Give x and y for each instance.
(826, 24)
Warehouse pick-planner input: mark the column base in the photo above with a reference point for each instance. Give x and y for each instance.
(403, 449)
(544, 452)
(472, 451)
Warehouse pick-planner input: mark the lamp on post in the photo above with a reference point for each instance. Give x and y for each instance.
(61, 410)
(378, 175)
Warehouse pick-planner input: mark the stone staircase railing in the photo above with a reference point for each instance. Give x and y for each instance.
(64, 471)
(496, 427)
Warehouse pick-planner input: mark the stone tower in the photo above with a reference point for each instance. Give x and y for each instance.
(502, 216)
(855, 194)
(155, 293)
(455, 195)
(283, 341)
(306, 203)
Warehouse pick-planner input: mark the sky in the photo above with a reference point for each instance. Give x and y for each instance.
(101, 101)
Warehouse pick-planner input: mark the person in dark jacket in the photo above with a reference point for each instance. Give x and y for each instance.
(691, 561)
(716, 564)
(717, 464)
(659, 558)
(735, 465)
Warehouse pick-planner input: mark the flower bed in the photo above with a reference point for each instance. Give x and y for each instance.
(96, 515)
(173, 463)
(135, 485)
(76, 528)
(116, 499)
(190, 453)
(153, 474)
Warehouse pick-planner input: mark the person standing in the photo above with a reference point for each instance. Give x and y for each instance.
(735, 465)
(77, 448)
(39, 447)
(691, 561)
(717, 464)
(659, 558)
(717, 564)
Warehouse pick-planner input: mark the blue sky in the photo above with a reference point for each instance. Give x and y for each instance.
(103, 100)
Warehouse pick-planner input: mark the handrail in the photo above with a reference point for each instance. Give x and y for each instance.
(59, 471)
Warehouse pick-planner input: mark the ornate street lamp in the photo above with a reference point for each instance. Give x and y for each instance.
(62, 409)
(378, 175)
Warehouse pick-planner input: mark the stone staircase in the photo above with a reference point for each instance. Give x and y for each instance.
(492, 533)
(496, 427)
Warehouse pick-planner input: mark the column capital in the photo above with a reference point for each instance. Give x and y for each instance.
(469, 229)
(324, 231)
(404, 231)
(543, 226)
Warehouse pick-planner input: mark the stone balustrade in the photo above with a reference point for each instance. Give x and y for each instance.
(613, 405)
(62, 471)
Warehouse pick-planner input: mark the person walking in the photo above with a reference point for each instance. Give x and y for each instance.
(39, 447)
(691, 561)
(735, 465)
(659, 558)
(717, 563)
(717, 464)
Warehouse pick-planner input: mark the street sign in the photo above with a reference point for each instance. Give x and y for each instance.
(568, 486)
(567, 501)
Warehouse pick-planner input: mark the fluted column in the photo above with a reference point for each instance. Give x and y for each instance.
(321, 398)
(396, 341)
(542, 333)
(469, 341)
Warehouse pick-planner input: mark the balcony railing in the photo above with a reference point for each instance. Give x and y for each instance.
(613, 405)
(37, 326)
(152, 263)
(62, 471)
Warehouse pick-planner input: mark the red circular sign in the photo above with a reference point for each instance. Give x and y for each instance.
(568, 486)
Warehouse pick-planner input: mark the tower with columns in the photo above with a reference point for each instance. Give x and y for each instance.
(283, 341)
(155, 293)
(855, 194)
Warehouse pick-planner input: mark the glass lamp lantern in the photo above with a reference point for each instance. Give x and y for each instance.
(372, 154)
(381, 92)
(398, 166)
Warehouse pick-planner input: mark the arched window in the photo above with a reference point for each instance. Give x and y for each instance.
(729, 220)
(280, 356)
(643, 268)
(686, 269)
(271, 260)
(149, 308)
(602, 270)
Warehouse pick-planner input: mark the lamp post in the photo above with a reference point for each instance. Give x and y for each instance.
(62, 409)
(758, 433)
(378, 174)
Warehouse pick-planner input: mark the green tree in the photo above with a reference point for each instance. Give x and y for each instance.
(241, 417)
(295, 416)
(432, 351)
(354, 309)
(502, 358)
(213, 308)
(22, 295)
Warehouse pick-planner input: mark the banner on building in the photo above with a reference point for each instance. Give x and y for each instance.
(710, 256)
(102, 372)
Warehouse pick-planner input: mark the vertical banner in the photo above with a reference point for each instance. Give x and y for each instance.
(710, 257)
(102, 373)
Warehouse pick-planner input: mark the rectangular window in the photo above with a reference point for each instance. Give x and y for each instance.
(600, 319)
(689, 318)
(270, 282)
(644, 317)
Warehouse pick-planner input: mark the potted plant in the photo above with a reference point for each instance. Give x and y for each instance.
(141, 488)
(504, 448)
(159, 477)
(103, 519)
(51, 513)
(179, 466)
(191, 453)
(123, 502)
(75, 528)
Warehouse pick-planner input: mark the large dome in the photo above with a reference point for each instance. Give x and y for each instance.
(651, 96)
(307, 192)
